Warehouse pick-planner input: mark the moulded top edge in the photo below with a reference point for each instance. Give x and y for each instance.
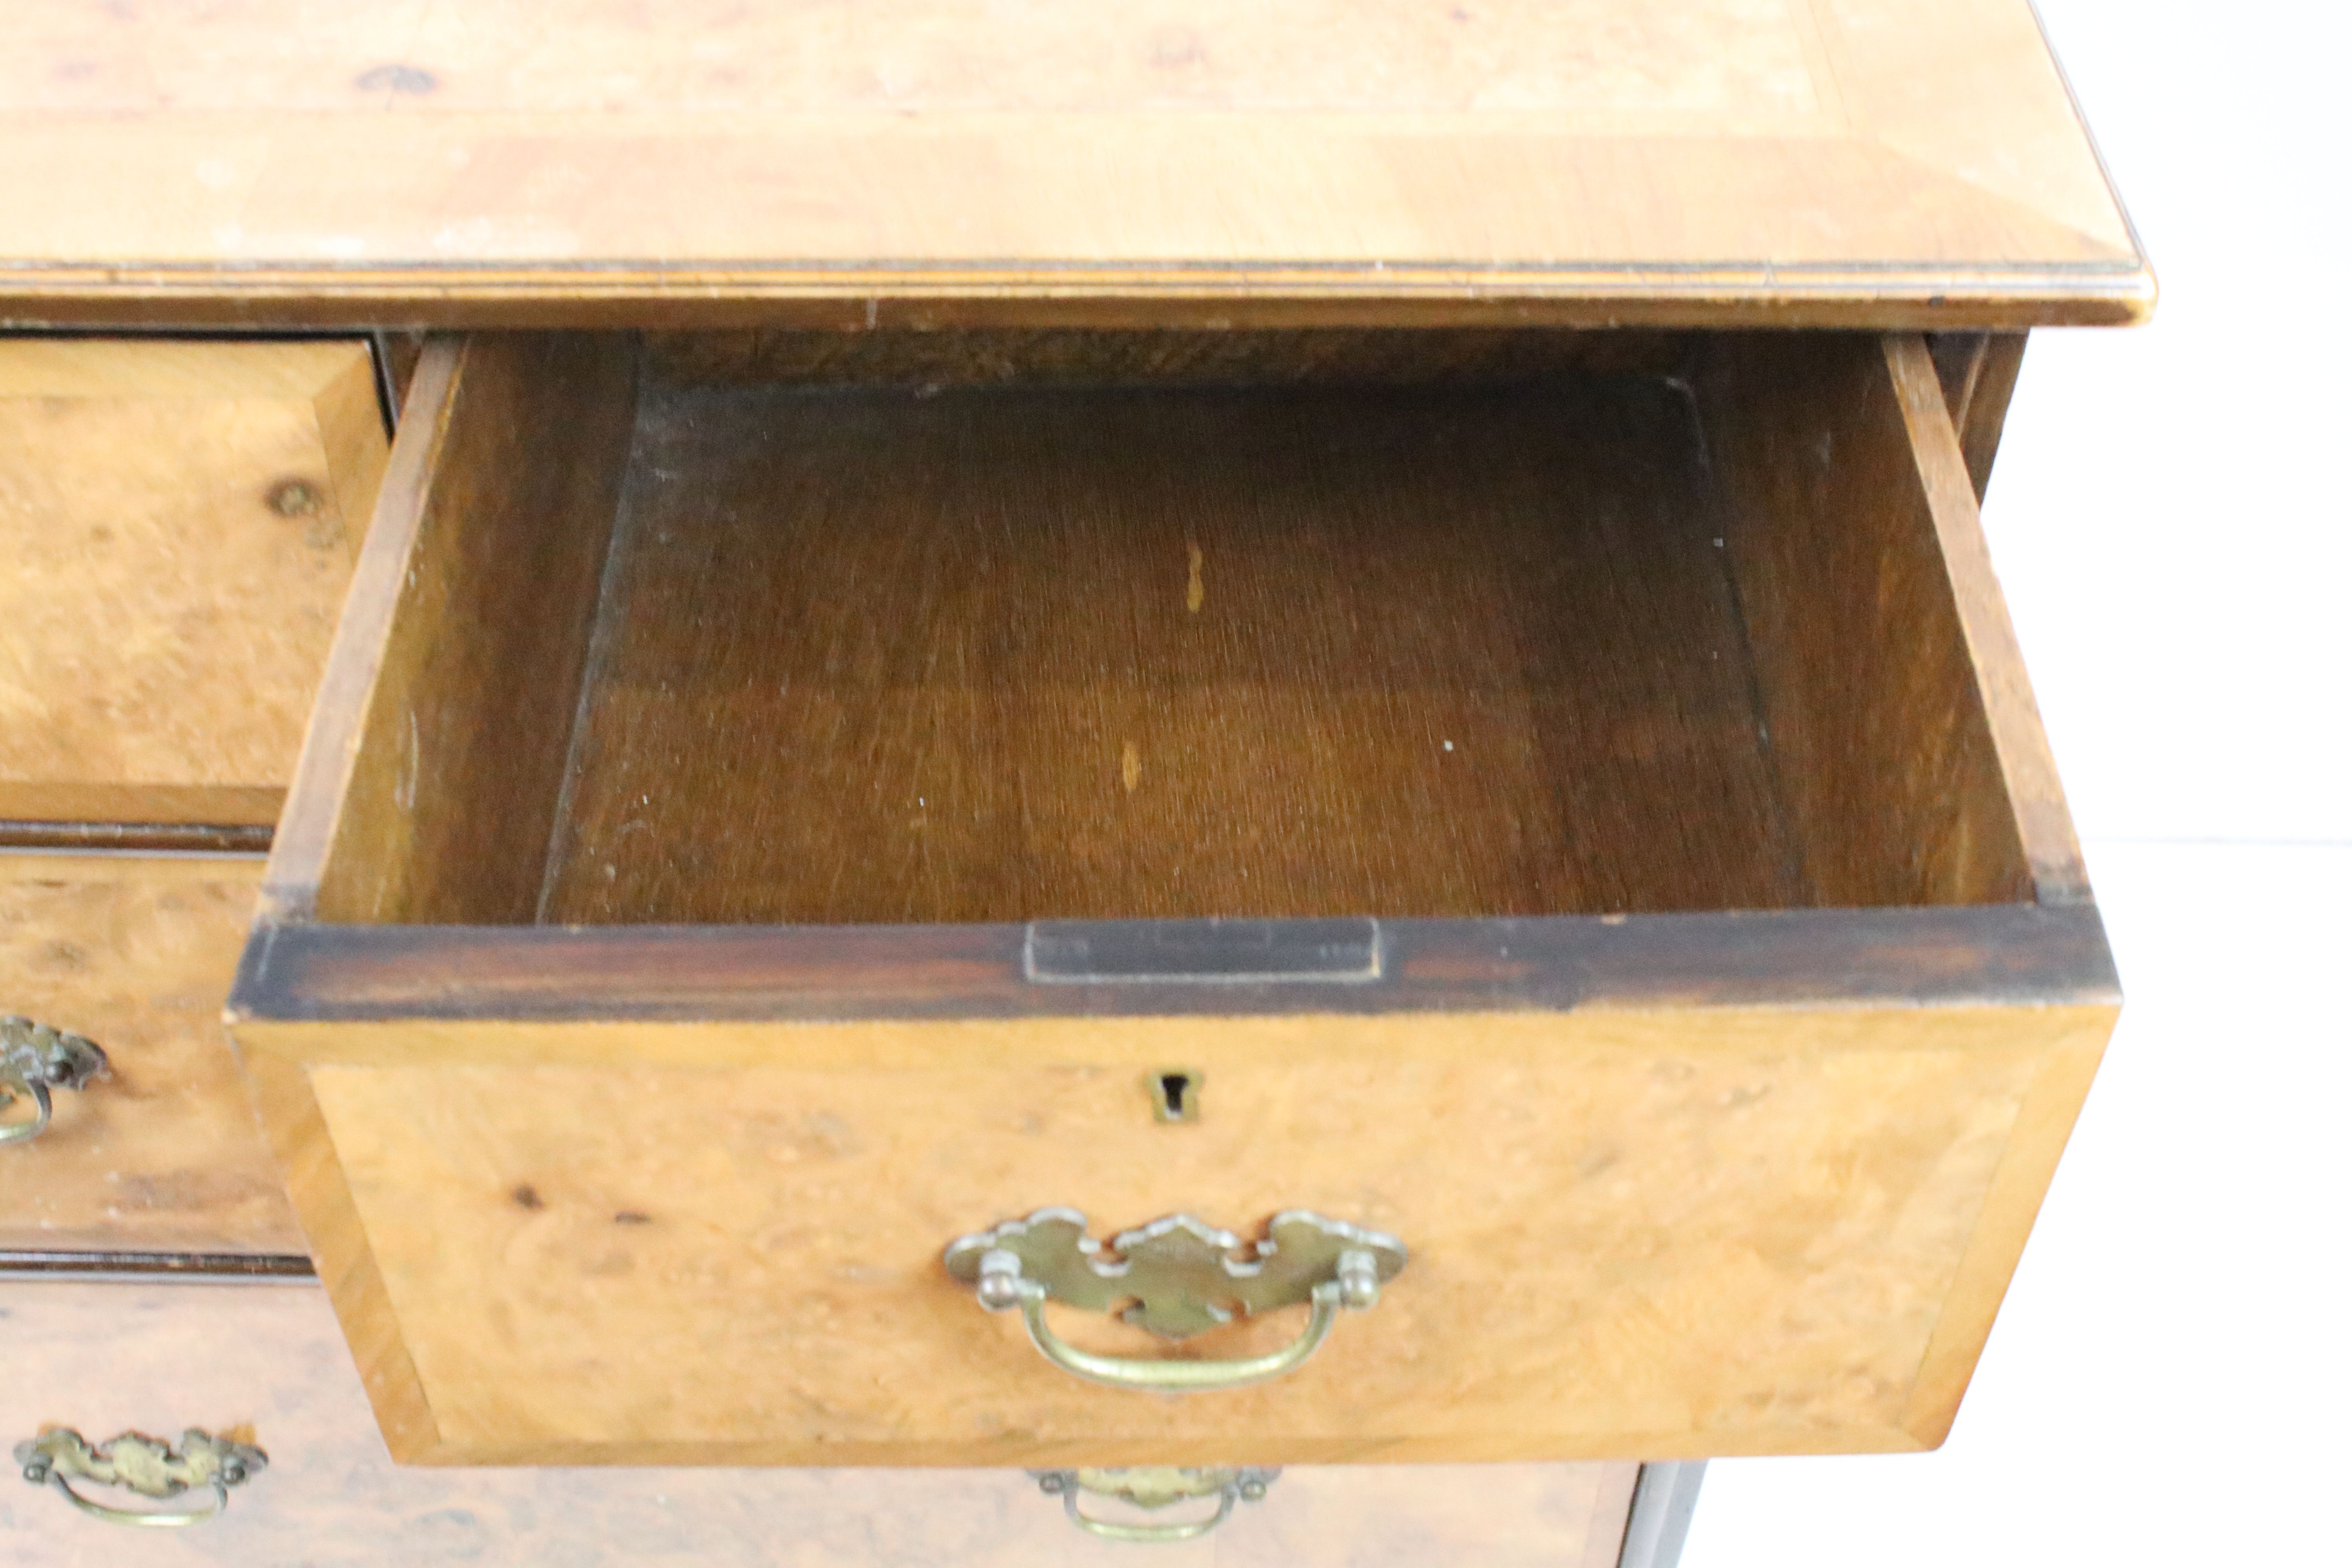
(1856, 159)
(886, 296)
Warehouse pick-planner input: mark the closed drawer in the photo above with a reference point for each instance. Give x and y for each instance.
(180, 520)
(161, 1154)
(263, 1364)
(1569, 805)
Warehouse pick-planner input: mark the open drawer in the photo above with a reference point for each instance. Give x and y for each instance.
(1562, 811)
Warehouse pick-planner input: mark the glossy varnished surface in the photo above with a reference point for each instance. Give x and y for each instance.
(1868, 161)
(267, 1359)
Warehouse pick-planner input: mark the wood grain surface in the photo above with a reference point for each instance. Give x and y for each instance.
(1978, 372)
(1867, 161)
(446, 709)
(179, 521)
(164, 1155)
(890, 657)
(1849, 520)
(267, 1359)
(2022, 955)
(873, 653)
(1230, 356)
(1676, 1185)
(1950, 484)
(1980, 425)
(1663, 1232)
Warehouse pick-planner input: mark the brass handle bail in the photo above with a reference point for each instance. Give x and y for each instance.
(1177, 1278)
(1153, 1488)
(144, 1465)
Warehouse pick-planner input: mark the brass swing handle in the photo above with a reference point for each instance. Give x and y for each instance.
(36, 1059)
(144, 1465)
(1355, 1284)
(1154, 1488)
(1177, 1278)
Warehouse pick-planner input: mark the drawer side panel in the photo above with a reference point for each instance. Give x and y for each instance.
(1907, 749)
(426, 789)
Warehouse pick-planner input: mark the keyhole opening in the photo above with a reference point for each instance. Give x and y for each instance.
(1175, 1095)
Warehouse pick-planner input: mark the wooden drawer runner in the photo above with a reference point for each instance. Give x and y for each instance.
(779, 805)
(163, 1155)
(179, 521)
(265, 1362)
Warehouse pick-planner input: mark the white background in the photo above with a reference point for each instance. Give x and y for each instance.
(2167, 1381)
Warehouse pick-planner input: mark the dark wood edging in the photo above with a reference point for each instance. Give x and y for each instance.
(22, 1263)
(2014, 954)
(143, 838)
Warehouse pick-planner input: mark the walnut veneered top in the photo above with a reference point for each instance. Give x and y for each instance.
(1697, 161)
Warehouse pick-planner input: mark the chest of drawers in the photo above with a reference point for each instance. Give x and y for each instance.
(1313, 703)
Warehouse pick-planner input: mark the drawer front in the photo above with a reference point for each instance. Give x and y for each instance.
(263, 1365)
(179, 521)
(1673, 1234)
(760, 829)
(162, 1154)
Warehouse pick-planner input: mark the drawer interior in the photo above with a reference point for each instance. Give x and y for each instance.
(844, 628)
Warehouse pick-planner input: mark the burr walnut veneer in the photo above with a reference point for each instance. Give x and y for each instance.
(178, 521)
